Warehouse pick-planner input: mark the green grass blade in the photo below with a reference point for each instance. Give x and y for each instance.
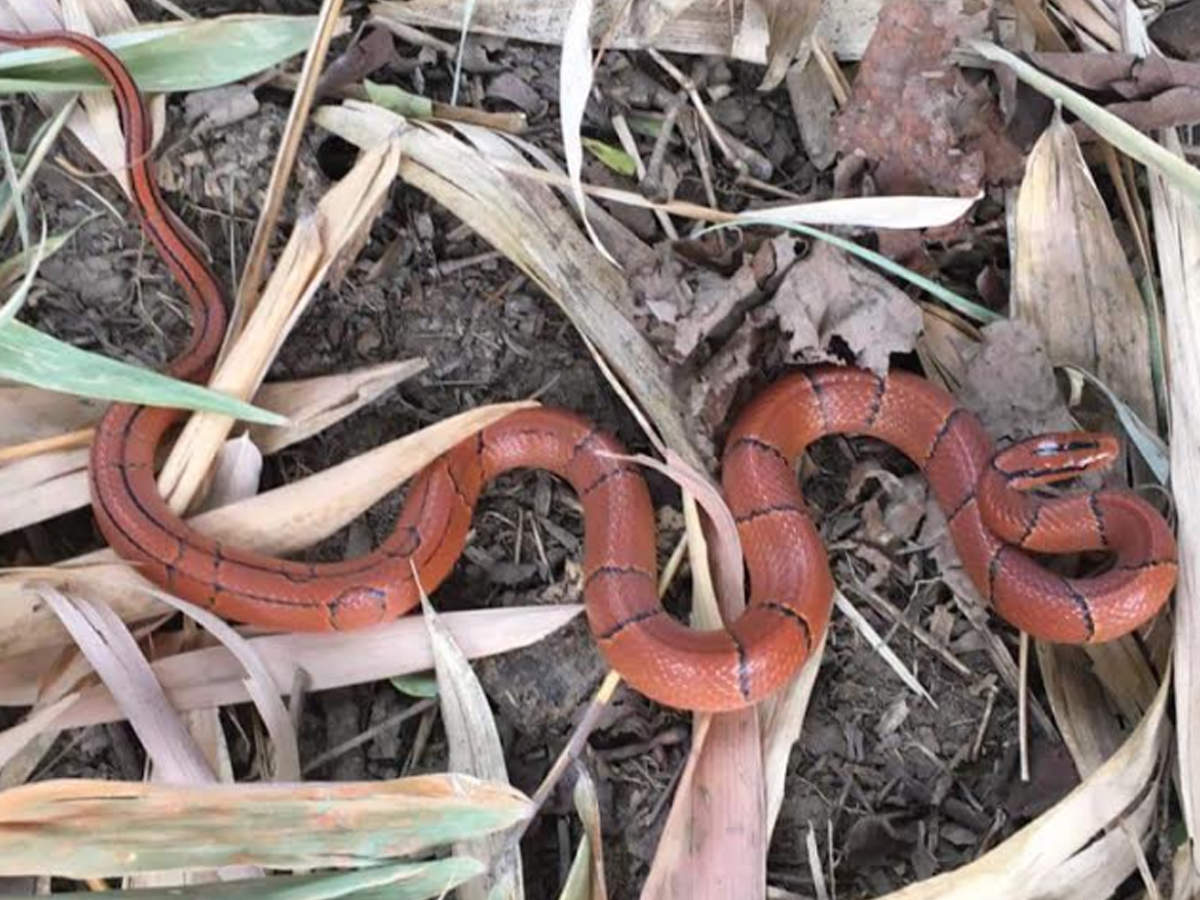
(30, 357)
(168, 56)
(1116, 131)
(397, 881)
(17, 300)
(955, 301)
(1151, 447)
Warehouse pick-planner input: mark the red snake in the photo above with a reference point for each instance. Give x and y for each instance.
(991, 518)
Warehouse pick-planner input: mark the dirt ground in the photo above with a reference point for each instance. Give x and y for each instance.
(895, 787)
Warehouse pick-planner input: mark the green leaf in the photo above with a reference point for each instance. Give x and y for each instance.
(954, 301)
(419, 686)
(398, 100)
(9, 310)
(30, 357)
(397, 881)
(613, 157)
(168, 56)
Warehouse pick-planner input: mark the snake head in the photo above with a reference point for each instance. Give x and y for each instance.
(1053, 457)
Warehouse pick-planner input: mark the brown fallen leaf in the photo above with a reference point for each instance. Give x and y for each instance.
(915, 116)
(1173, 107)
(1010, 384)
(830, 294)
(1130, 77)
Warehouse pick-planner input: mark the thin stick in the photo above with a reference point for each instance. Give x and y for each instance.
(69, 441)
(252, 276)
(1023, 704)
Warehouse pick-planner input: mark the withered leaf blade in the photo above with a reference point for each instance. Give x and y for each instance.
(1071, 278)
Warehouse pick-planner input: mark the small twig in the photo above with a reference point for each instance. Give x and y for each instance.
(1022, 704)
(69, 441)
(256, 259)
(359, 739)
(701, 110)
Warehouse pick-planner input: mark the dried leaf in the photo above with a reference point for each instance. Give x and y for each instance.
(830, 293)
(790, 23)
(474, 749)
(1071, 280)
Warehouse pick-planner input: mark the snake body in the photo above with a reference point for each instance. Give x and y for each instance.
(991, 517)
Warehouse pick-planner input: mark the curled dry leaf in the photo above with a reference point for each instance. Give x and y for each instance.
(1071, 279)
(1010, 384)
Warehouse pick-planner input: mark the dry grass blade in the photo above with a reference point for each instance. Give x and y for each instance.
(41, 487)
(790, 24)
(574, 85)
(1177, 241)
(724, 545)
(116, 657)
(317, 243)
(260, 686)
(781, 719)
(704, 851)
(213, 676)
(585, 879)
(902, 212)
(280, 521)
(31, 414)
(281, 826)
(52, 480)
(474, 749)
(1017, 869)
(313, 404)
(1071, 279)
